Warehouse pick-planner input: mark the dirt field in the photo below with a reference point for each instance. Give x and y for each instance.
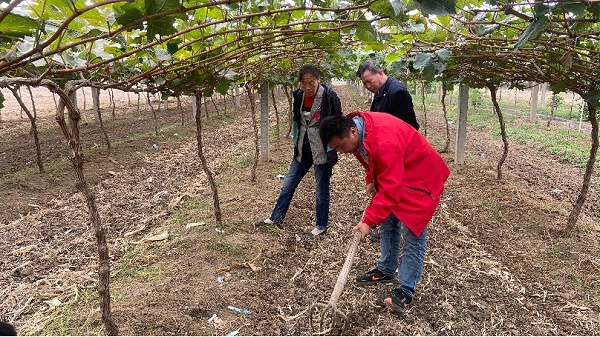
(497, 262)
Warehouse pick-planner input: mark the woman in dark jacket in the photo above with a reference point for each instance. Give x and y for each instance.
(313, 101)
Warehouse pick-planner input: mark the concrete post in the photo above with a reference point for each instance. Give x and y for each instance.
(461, 127)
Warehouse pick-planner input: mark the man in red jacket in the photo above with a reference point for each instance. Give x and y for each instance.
(406, 177)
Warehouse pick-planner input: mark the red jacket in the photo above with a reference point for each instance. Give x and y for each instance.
(408, 174)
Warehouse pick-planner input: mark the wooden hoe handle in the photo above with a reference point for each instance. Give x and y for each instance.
(329, 310)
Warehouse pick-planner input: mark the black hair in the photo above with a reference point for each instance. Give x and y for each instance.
(310, 69)
(367, 65)
(335, 126)
(6, 329)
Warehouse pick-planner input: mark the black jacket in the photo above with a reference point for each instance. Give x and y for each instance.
(394, 98)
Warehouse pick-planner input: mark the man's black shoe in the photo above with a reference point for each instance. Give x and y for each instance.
(399, 301)
(375, 276)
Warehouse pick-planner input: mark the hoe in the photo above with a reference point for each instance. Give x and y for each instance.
(331, 316)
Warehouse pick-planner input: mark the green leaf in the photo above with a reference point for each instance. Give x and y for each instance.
(223, 86)
(531, 32)
(443, 20)
(128, 13)
(92, 33)
(577, 9)
(428, 73)
(298, 15)
(414, 27)
(398, 6)
(215, 13)
(366, 33)
(159, 6)
(440, 67)
(558, 87)
(19, 26)
(77, 25)
(541, 10)
(388, 8)
(173, 46)
(103, 51)
(375, 45)
(161, 26)
(1, 100)
(591, 97)
(402, 38)
(391, 57)
(422, 60)
(443, 54)
(437, 7)
(56, 9)
(398, 67)
(96, 17)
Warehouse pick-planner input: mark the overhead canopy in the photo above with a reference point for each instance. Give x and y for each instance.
(182, 46)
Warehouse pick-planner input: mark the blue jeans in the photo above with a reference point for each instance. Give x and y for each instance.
(410, 263)
(291, 181)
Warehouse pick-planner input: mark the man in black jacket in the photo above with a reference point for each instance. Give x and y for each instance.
(312, 102)
(390, 95)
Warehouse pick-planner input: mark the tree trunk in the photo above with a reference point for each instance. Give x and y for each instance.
(288, 94)
(207, 171)
(215, 105)
(255, 127)
(552, 108)
(73, 139)
(106, 140)
(593, 115)
(443, 100)
(32, 119)
(502, 129)
(32, 105)
(111, 95)
(96, 102)
(276, 113)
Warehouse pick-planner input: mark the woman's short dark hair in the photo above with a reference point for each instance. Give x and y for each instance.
(310, 69)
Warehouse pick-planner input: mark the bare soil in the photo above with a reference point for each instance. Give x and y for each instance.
(498, 261)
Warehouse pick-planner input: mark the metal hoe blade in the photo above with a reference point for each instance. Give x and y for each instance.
(331, 316)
